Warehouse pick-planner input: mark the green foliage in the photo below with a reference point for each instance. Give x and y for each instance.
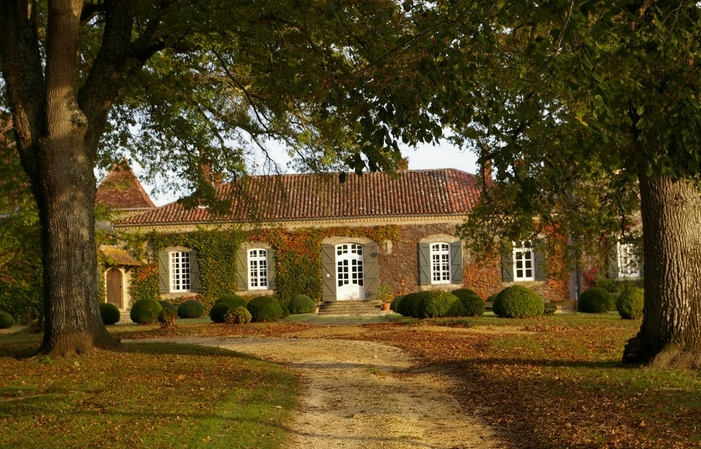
(219, 311)
(239, 315)
(430, 304)
(145, 311)
(109, 313)
(232, 300)
(285, 311)
(191, 308)
(396, 303)
(385, 293)
(264, 308)
(144, 282)
(518, 301)
(166, 318)
(167, 305)
(471, 301)
(630, 303)
(595, 300)
(6, 320)
(301, 304)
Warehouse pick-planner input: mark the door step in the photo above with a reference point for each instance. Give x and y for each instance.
(354, 308)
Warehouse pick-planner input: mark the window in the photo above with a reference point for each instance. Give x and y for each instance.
(440, 263)
(257, 269)
(180, 271)
(628, 260)
(524, 261)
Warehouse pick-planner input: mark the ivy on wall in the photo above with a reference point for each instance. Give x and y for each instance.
(297, 251)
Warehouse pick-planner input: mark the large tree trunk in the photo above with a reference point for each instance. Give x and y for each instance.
(670, 335)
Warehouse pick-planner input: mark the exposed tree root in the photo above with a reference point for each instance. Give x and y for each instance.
(638, 351)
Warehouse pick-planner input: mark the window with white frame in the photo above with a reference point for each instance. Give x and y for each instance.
(524, 261)
(257, 269)
(440, 263)
(180, 271)
(628, 260)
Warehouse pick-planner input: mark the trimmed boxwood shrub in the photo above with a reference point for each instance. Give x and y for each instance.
(437, 303)
(285, 311)
(518, 301)
(301, 304)
(167, 317)
(6, 320)
(264, 308)
(630, 303)
(145, 311)
(232, 300)
(394, 305)
(109, 313)
(191, 308)
(167, 305)
(595, 300)
(239, 315)
(408, 305)
(218, 312)
(471, 301)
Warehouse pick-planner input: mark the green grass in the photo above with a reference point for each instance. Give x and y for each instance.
(146, 395)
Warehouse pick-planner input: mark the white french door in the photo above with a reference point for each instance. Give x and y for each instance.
(349, 272)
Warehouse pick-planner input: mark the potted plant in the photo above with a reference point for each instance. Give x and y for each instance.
(385, 295)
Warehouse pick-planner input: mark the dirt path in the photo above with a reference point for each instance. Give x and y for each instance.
(358, 394)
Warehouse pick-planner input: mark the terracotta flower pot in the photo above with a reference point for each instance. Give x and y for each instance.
(385, 306)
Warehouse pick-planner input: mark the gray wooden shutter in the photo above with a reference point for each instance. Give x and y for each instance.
(613, 262)
(507, 265)
(272, 269)
(195, 282)
(456, 262)
(424, 263)
(541, 273)
(328, 272)
(242, 269)
(163, 272)
(371, 270)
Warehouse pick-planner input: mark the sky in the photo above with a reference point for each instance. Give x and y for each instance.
(424, 157)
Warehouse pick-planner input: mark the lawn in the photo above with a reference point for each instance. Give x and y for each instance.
(542, 383)
(145, 395)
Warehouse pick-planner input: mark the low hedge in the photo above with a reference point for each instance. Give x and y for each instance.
(239, 315)
(430, 304)
(191, 308)
(264, 308)
(6, 320)
(301, 304)
(167, 317)
(145, 311)
(232, 300)
(518, 301)
(471, 301)
(595, 300)
(109, 313)
(218, 312)
(395, 304)
(630, 302)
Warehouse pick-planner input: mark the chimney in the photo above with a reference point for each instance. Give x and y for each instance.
(486, 173)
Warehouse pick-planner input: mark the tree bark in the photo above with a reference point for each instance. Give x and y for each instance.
(670, 335)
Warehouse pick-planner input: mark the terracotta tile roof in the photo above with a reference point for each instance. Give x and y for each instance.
(117, 256)
(121, 190)
(321, 196)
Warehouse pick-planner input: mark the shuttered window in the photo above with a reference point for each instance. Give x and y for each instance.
(257, 269)
(180, 275)
(524, 261)
(440, 263)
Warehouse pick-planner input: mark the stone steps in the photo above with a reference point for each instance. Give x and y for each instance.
(355, 308)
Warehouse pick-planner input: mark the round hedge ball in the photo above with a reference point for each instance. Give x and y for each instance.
(109, 313)
(218, 312)
(630, 303)
(145, 311)
(264, 308)
(437, 304)
(239, 315)
(518, 301)
(595, 300)
(301, 304)
(471, 301)
(6, 320)
(191, 308)
(232, 300)
(395, 304)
